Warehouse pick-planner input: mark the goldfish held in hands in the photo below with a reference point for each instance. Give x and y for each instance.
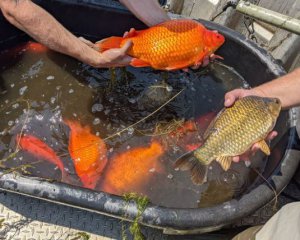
(88, 153)
(232, 132)
(171, 45)
(129, 171)
(39, 149)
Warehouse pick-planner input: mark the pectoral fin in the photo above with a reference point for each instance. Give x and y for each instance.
(189, 162)
(264, 147)
(225, 162)
(135, 62)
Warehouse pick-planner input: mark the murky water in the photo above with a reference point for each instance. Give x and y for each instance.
(130, 109)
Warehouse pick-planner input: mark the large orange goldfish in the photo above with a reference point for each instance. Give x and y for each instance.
(129, 171)
(88, 153)
(171, 45)
(39, 149)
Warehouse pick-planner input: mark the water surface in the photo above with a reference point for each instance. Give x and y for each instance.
(41, 89)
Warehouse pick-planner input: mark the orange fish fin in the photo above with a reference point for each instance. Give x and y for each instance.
(131, 33)
(109, 43)
(189, 162)
(88, 181)
(135, 62)
(225, 162)
(182, 65)
(76, 126)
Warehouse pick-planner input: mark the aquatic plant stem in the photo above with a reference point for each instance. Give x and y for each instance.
(272, 188)
(143, 119)
(131, 126)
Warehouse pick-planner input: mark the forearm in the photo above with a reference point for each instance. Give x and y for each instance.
(286, 88)
(148, 11)
(41, 26)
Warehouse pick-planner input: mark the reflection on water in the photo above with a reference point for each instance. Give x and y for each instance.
(42, 91)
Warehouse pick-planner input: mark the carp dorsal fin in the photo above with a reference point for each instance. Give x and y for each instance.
(188, 161)
(210, 128)
(225, 162)
(263, 146)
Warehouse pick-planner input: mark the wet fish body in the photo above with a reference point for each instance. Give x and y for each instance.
(41, 150)
(233, 131)
(130, 171)
(88, 153)
(171, 45)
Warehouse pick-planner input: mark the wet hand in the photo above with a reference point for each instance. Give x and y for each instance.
(111, 58)
(255, 147)
(230, 98)
(116, 57)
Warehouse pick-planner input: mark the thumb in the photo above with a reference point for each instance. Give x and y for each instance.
(229, 99)
(232, 96)
(126, 46)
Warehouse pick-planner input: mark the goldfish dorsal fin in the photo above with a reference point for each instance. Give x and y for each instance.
(109, 43)
(135, 62)
(225, 162)
(263, 146)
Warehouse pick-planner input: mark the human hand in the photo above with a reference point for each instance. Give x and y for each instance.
(230, 98)
(115, 57)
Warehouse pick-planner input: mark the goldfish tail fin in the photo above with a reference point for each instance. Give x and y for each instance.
(198, 170)
(109, 43)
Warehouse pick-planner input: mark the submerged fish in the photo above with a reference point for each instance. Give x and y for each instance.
(231, 133)
(88, 153)
(36, 47)
(130, 171)
(171, 45)
(216, 193)
(39, 149)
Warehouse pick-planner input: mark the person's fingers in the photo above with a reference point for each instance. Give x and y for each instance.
(205, 61)
(126, 47)
(89, 43)
(125, 34)
(255, 147)
(230, 97)
(272, 135)
(236, 159)
(196, 66)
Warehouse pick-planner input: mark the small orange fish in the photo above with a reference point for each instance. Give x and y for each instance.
(88, 152)
(36, 47)
(129, 171)
(39, 149)
(171, 45)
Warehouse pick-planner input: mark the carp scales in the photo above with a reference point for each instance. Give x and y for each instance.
(231, 133)
(171, 45)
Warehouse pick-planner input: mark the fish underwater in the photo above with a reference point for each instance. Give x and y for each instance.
(88, 152)
(232, 132)
(130, 170)
(171, 45)
(39, 149)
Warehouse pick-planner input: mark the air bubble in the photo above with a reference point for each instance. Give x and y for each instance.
(22, 90)
(96, 121)
(98, 107)
(50, 77)
(170, 176)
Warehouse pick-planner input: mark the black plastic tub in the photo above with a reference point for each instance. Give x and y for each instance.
(90, 19)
